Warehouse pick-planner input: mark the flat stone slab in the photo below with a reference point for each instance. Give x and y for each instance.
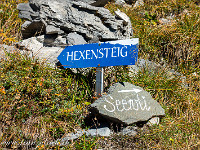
(126, 103)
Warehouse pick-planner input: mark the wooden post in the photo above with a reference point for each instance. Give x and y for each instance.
(99, 81)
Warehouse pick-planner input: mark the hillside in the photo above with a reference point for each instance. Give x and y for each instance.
(40, 103)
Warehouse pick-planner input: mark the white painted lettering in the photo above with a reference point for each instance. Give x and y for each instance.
(132, 104)
(124, 102)
(124, 52)
(128, 104)
(82, 54)
(113, 52)
(118, 103)
(68, 55)
(106, 52)
(95, 55)
(111, 104)
(87, 54)
(145, 104)
(118, 50)
(75, 55)
(100, 52)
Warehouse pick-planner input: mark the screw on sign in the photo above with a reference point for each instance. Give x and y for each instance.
(112, 53)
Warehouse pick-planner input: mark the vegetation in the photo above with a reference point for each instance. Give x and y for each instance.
(40, 103)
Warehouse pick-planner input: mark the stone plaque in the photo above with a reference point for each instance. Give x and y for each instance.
(126, 103)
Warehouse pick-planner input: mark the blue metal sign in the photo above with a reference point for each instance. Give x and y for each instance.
(112, 53)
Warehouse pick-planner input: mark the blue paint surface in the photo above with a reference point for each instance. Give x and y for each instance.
(113, 53)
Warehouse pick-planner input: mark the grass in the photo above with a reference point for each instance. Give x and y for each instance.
(39, 103)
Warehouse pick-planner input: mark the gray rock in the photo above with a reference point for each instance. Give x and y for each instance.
(120, 2)
(144, 64)
(72, 136)
(34, 48)
(64, 17)
(49, 39)
(60, 41)
(6, 49)
(123, 16)
(32, 28)
(153, 121)
(129, 130)
(26, 24)
(26, 12)
(31, 44)
(52, 29)
(25, 15)
(105, 131)
(97, 3)
(75, 39)
(167, 21)
(127, 104)
(94, 40)
(139, 3)
(24, 7)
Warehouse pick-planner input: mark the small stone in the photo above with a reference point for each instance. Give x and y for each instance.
(6, 49)
(60, 41)
(105, 131)
(49, 39)
(24, 7)
(75, 39)
(167, 21)
(52, 29)
(120, 2)
(141, 64)
(40, 38)
(130, 131)
(26, 24)
(153, 121)
(122, 16)
(139, 3)
(31, 44)
(72, 136)
(164, 21)
(25, 15)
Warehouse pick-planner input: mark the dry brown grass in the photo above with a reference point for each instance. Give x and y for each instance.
(30, 92)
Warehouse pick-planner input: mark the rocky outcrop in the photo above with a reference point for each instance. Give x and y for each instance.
(58, 18)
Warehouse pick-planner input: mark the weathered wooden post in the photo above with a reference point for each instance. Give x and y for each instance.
(99, 81)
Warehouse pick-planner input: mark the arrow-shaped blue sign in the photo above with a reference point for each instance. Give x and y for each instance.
(113, 53)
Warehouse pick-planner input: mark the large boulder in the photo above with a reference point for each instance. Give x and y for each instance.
(127, 104)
